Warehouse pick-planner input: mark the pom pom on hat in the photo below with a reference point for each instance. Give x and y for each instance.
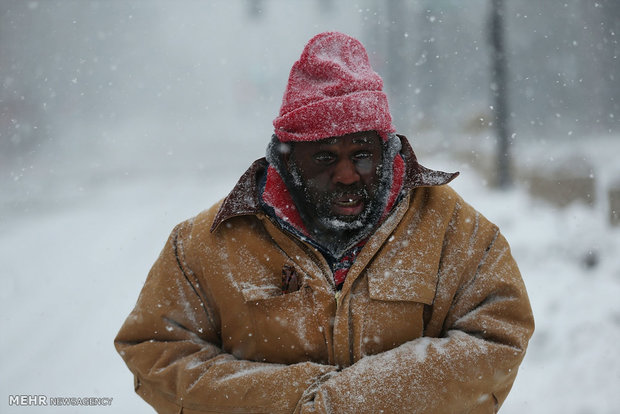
(332, 91)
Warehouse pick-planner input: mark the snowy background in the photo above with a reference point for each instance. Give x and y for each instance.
(120, 119)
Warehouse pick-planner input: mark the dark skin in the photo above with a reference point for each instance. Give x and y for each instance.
(337, 181)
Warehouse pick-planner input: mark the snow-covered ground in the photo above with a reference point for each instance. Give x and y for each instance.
(72, 269)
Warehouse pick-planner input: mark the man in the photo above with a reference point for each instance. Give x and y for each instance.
(338, 276)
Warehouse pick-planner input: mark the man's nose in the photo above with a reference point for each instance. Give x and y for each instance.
(345, 173)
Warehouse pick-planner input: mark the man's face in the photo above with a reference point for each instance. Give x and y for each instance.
(336, 180)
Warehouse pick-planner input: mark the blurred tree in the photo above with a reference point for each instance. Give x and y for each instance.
(499, 88)
(609, 45)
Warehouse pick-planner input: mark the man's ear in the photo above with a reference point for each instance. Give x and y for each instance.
(285, 153)
(278, 153)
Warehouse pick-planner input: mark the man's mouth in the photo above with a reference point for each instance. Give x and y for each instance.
(351, 205)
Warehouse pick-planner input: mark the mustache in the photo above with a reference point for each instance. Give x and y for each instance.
(344, 192)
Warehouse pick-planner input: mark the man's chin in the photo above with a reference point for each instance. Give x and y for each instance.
(342, 222)
(344, 219)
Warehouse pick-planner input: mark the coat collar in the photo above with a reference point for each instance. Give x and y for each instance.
(243, 199)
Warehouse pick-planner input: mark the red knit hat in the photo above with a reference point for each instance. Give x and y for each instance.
(332, 91)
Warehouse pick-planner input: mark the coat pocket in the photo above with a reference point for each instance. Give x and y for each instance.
(284, 325)
(291, 282)
(392, 312)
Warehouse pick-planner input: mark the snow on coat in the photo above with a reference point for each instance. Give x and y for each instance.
(432, 318)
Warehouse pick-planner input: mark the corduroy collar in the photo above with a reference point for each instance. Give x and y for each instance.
(243, 200)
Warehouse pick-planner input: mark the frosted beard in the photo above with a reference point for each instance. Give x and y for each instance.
(339, 233)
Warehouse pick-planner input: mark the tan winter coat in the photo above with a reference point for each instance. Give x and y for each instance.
(432, 318)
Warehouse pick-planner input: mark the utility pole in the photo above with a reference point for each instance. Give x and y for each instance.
(499, 88)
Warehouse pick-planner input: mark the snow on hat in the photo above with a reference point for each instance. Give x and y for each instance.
(332, 91)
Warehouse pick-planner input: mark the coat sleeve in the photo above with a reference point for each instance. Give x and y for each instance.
(171, 345)
(483, 323)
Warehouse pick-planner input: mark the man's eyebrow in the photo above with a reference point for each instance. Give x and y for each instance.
(329, 141)
(362, 140)
(333, 141)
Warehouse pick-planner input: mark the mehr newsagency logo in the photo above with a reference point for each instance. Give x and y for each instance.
(44, 400)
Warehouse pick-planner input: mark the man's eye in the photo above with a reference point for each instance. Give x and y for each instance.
(362, 155)
(324, 158)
